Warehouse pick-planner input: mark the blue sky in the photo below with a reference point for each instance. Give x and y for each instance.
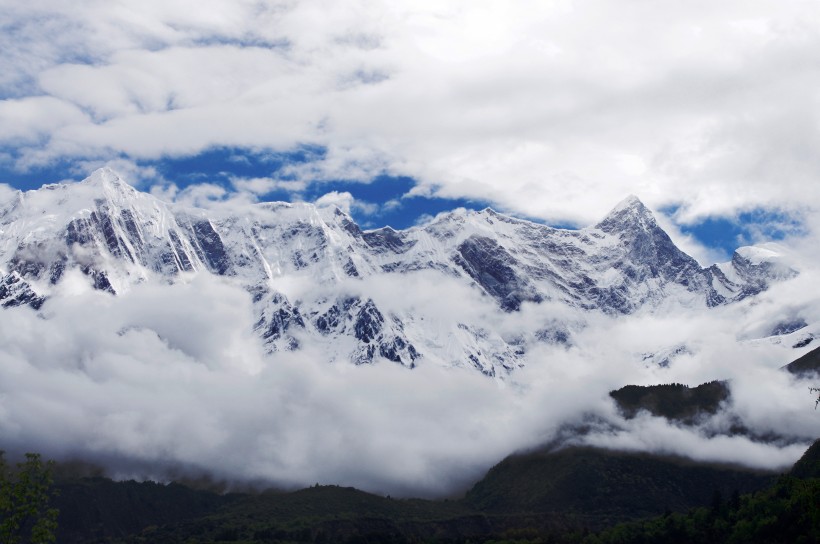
(383, 200)
(221, 165)
(549, 111)
(747, 228)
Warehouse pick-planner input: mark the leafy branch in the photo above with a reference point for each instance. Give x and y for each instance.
(25, 495)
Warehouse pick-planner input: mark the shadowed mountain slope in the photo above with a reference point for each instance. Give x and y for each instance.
(806, 365)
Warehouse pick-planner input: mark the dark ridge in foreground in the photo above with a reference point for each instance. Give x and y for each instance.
(607, 485)
(540, 493)
(809, 465)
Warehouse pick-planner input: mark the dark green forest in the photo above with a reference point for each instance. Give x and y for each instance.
(573, 496)
(788, 511)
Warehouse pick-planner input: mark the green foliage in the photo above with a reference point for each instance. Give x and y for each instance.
(786, 512)
(25, 495)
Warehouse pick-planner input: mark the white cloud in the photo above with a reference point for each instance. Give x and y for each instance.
(163, 376)
(170, 376)
(342, 200)
(262, 186)
(27, 120)
(347, 203)
(551, 110)
(202, 195)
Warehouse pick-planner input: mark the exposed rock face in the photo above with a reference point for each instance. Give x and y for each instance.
(16, 292)
(117, 237)
(494, 269)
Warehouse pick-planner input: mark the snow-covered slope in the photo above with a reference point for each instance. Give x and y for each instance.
(750, 271)
(116, 237)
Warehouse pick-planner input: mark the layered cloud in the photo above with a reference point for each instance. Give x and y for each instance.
(550, 109)
(170, 380)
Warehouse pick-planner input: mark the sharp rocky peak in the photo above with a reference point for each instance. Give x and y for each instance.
(628, 214)
(107, 184)
(106, 178)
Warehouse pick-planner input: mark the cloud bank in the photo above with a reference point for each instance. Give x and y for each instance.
(170, 380)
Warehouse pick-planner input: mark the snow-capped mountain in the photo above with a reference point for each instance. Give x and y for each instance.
(116, 237)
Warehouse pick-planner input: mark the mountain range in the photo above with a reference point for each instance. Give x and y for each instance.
(115, 237)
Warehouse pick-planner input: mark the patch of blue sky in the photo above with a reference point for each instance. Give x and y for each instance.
(219, 165)
(392, 207)
(726, 234)
(33, 177)
(385, 203)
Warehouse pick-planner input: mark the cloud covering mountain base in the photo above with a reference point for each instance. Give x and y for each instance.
(167, 380)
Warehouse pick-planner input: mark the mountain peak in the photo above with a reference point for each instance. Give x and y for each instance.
(104, 176)
(110, 183)
(759, 254)
(630, 202)
(629, 211)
